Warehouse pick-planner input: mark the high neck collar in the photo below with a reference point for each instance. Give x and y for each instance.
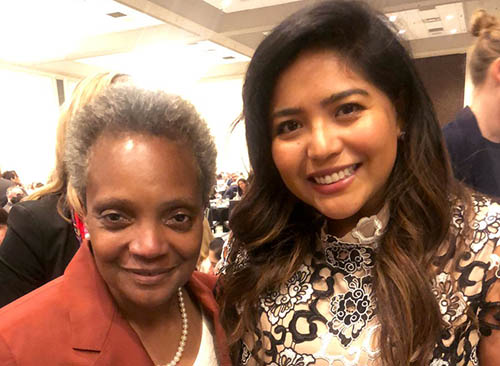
(367, 231)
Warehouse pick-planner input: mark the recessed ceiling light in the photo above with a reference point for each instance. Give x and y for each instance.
(454, 30)
(449, 17)
(392, 18)
(117, 14)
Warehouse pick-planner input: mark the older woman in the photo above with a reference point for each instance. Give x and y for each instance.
(142, 164)
(354, 245)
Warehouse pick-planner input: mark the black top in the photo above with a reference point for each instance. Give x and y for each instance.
(37, 247)
(475, 160)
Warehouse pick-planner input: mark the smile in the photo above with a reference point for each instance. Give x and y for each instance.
(149, 277)
(335, 177)
(148, 272)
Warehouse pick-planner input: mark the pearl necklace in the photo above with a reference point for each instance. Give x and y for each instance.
(184, 334)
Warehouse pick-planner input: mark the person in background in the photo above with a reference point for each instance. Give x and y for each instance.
(473, 138)
(3, 224)
(4, 184)
(41, 238)
(12, 176)
(231, 192)
(129, 296)
(354, 244)
(15, 194)
(242, 186)
(209, 265)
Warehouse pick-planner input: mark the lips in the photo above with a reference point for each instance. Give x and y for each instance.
(149, 276)
(331, 176)
(148, 272)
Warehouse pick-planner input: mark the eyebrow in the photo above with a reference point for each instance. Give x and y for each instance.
(344, 94)
(329, 100)
(125, 203)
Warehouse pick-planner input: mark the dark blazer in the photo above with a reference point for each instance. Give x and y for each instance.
(475, 160)
(73, 320)
(37, 247)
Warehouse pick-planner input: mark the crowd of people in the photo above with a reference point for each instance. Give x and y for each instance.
(356, 239)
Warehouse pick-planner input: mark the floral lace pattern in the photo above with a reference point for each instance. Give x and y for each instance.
(326, 314)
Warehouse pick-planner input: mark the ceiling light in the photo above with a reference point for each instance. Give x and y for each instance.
(449, 17)
(402, 31)
(453, 31)
(392, 18)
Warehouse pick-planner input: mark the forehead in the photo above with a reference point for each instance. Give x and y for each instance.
(128, 162)
(318, 74)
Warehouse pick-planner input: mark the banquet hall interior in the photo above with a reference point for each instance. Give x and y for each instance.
(198, 49)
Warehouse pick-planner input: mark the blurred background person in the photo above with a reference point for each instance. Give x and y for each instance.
(15, 194)
(129, 295)
(473, 139)
(12, 176)
(4, 184)
(209, 265)
(43, 235)
(242, 186)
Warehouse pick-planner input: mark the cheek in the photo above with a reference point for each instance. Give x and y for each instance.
(286, 157)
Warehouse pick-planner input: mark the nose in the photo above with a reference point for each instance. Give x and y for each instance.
(324, 140)
(149, 242)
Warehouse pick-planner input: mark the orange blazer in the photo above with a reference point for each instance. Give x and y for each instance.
(73, 320)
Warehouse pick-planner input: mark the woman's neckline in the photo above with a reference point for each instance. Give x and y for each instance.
(367, 231)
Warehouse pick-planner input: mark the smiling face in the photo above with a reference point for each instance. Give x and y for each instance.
(334, 138)
(144, 216)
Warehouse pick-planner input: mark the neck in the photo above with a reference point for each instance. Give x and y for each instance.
(151, 318)
(486, 108)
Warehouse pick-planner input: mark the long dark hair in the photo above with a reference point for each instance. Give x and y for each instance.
(277, 230)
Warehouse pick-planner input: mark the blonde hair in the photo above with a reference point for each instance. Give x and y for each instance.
(487, 47)
(85, 91)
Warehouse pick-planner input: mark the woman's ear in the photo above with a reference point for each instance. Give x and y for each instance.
(495, 71)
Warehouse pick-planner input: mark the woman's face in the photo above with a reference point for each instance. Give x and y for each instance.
(334, 137)
(242, 185)
(144, 216)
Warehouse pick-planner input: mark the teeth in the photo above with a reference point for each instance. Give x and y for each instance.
(335, 177)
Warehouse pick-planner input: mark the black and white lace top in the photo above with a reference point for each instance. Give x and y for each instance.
(326, 313)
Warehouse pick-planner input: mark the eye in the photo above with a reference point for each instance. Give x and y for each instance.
(179, 221)
(114, 220)
(348, 109)
(287, 127)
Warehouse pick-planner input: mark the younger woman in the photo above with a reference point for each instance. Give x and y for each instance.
(354, 245)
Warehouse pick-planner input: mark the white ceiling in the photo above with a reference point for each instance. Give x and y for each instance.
(441, 20)
(230, 6)
(190, 38)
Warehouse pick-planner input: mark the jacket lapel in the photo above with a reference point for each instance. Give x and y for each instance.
(95, 323)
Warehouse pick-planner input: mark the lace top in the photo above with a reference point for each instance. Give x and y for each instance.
(326, 312)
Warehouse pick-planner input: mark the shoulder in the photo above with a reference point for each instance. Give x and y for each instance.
(42, 212)
(31, 317)
(461, 128)
(479, 224)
